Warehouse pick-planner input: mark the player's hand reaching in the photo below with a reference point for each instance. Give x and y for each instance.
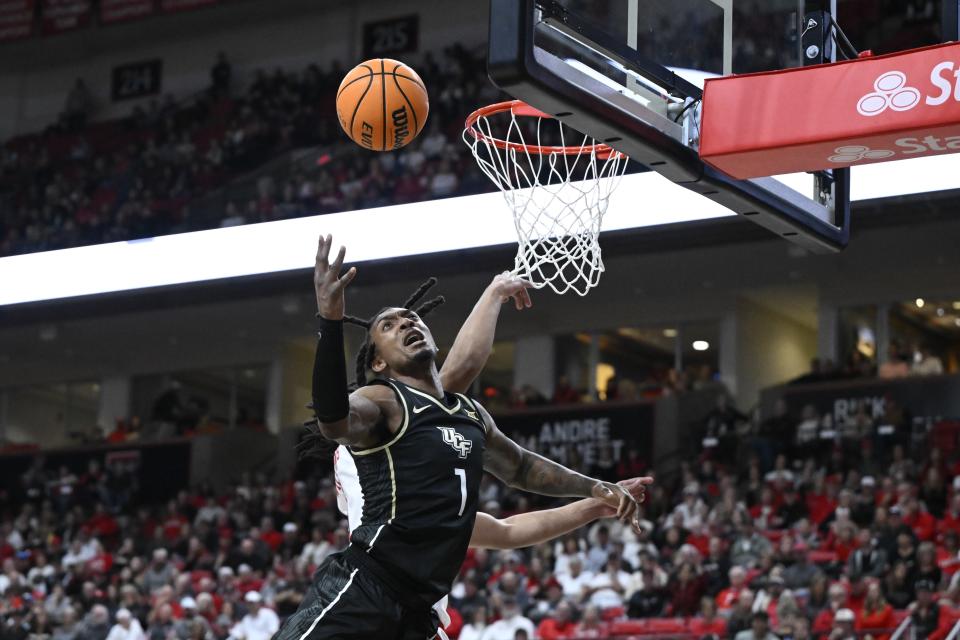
(507, 285)
(619, 498)
(637, 487)
(328, 284)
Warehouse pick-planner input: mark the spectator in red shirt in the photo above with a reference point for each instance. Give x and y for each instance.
(560, 625)
(727, 598)
(923, 524)
(687, 587)
(844, 543)
(948, 555)
(821, 502)
(101, 524)
(173, 523)
(247, 579)
(271, 537)
(876, 615)
(591, 626)
(708, 622)
(843, 626)
(951, 517)
(837, 600)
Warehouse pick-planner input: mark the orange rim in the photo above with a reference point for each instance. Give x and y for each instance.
(521, 108)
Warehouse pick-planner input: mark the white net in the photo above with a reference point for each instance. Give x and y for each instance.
(557, 182)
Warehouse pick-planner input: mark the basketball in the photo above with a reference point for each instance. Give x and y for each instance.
(382, 104)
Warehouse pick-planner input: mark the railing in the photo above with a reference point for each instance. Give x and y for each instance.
(954, 631)
(902, 628)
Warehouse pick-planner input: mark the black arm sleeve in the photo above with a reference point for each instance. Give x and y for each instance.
(331, 402)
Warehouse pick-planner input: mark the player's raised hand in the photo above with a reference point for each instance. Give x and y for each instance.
(328, 284)
(507, 285)
(621, 499)
(637, 487)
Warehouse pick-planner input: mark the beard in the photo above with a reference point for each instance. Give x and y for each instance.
(424, 355)
(416, 363)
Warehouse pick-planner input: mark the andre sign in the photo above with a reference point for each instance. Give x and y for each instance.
(874, 109)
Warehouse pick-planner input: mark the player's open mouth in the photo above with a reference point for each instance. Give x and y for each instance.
(413, 336)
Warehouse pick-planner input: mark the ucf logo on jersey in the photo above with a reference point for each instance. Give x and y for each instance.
(453, 438)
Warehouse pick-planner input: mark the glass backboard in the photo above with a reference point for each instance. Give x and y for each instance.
(630, 73)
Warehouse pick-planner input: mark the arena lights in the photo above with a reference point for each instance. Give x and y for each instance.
(700, 345)
(642, 200)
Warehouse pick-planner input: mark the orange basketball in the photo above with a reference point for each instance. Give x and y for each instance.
(382, 104)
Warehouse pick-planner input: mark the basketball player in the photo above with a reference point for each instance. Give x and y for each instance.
(467, 357)
(420, 453)
(516, 532)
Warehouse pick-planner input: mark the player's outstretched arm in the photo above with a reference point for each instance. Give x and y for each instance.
(348, 419)
(523, 469)
(473, 344)
(526, 529)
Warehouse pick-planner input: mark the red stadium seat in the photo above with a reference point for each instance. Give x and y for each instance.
(667, 625)
(200, 574)
(822, 557)
(613, 613)
(629, 628)
(774, 535)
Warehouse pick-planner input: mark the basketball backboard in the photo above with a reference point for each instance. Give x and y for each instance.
(630, 74)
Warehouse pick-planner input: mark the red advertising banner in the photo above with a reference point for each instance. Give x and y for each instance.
(64, 15)
(113, 11)
(170, 6)
(893, 107)
(16, 19)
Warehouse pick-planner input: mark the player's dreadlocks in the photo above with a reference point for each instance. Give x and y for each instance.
(314, 444)
(366, 353)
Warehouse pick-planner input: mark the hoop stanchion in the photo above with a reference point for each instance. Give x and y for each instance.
(558, 192)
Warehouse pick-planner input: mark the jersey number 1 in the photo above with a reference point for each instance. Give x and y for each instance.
(462, 474)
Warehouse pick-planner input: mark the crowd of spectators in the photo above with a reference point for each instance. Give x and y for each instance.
(659, 381)
(902, 361)
(84, 182)
(840, 544)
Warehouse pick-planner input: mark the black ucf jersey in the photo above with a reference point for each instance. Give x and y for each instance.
(420, 491)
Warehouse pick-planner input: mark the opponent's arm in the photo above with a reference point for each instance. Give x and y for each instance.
(534, 527)
(522, 469)
(357, 419)
(473, 344)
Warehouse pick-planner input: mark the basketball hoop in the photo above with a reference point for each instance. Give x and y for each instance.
(558, 192)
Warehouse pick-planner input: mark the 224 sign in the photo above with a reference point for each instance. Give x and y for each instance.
(136, 80)
(390, 37)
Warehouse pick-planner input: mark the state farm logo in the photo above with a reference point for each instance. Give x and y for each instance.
(891, 93)
(856, 153)
(905, 147)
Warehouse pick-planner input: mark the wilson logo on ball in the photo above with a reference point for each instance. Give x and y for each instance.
(366, 135)
(401, 128)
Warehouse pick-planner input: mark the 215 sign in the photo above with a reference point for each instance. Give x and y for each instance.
(390, 37)
(136, 80)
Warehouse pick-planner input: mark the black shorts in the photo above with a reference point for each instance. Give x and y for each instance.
(347, 602)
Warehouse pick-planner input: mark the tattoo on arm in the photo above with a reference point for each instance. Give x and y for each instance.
(526, 470)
